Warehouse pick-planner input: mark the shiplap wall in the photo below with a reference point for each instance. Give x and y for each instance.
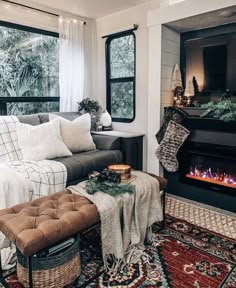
(170, 57)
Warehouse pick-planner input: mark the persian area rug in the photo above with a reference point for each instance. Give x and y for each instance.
(183, 256)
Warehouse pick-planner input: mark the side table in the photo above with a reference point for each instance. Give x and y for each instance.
(131, 146)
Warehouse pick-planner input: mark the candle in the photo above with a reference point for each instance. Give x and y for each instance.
(122, 169)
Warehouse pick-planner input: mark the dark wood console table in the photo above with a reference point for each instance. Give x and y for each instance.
(131, 146)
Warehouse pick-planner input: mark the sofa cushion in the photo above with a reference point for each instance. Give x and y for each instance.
(80, 165)
(41, 142)
(44, 117)
(76, 134)
(32, 119)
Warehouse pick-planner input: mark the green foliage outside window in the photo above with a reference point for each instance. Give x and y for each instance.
(121, 77)
(29, 66)
(122, 57)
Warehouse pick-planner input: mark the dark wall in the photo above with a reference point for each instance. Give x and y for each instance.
(195, 61)
(191, 56)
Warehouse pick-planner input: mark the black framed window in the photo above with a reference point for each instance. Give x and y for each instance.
(120, 76)
(29, 69)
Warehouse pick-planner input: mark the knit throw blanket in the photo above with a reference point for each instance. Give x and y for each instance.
(21, 181)
(126, 219)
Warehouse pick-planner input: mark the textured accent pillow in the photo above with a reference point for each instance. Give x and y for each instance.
(41, 142)
(76, 134)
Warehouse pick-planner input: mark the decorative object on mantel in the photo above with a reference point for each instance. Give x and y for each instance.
(195, 101)
(178, 97)
(105, 120)
(223, 109)
(189, 93)
(175, 136)
(195, 85)
(177, 87)
(171, 113)
(176, 78)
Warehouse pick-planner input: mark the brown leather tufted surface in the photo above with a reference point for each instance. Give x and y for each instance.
(47, 220)
(35, 225)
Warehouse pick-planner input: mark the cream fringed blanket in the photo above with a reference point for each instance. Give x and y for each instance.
(126, 219)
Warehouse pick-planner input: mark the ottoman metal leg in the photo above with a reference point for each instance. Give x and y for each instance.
(164, 209)
(29, 258)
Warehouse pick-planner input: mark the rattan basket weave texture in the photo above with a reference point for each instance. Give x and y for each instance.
(54, 271)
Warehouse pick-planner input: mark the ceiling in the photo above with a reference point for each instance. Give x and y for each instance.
(90, 8)
(210, 19)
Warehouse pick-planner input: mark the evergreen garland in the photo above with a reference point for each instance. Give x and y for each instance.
(113, 189)
(224, 110)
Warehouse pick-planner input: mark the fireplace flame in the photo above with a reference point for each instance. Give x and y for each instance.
(216, 176)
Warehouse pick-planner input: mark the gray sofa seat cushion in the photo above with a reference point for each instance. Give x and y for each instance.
(105, 142)
(80, 165)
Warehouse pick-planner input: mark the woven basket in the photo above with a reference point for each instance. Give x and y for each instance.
(54, 271)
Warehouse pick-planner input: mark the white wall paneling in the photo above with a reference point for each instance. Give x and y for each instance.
(116, 22)
(166, 42)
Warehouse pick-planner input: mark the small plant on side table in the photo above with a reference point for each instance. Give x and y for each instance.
(92, 107)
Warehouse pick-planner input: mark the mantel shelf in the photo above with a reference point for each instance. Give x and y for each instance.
(211, 124)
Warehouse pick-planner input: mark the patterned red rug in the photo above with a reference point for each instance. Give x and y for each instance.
(183, 256)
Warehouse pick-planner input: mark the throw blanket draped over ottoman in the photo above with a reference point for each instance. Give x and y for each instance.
(126, 219)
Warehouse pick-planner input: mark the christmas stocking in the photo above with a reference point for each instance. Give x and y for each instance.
(171, 113)
(174, 137)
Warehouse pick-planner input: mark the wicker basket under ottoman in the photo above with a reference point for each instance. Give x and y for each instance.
(55, 271)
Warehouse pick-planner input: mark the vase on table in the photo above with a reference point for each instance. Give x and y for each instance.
(106, 120)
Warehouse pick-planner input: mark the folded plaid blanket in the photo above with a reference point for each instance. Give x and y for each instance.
(21, 181)
(9, 147)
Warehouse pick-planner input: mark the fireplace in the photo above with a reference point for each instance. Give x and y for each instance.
(209, 166)
(207, 162)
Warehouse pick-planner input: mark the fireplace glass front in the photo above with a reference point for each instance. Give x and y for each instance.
(210, 169)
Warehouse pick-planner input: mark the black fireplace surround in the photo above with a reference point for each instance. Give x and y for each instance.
(207, 164)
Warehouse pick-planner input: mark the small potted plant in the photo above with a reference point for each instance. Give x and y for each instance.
(92, 107)
(88, 106)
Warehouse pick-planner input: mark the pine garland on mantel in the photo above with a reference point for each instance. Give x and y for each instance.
(223, 109)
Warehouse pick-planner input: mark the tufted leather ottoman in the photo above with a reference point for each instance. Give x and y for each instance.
(38, 224)
(35, 225)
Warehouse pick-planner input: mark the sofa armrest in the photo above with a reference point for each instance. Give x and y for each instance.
(104, 142)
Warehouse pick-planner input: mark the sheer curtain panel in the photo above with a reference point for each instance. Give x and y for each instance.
(71, 63)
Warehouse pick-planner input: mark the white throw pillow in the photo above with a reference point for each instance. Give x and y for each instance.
(76, 134)
(41, 142)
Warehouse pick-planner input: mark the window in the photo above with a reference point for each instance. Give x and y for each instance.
(29, 70)
(120, 64)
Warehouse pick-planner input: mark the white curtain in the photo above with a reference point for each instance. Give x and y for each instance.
(71, 63)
